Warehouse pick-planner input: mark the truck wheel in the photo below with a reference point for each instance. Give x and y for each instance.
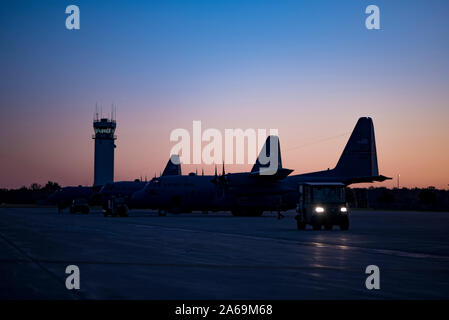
(108, 212)
(123, 213)
(316, 226)
(344, 224)
(300, 225)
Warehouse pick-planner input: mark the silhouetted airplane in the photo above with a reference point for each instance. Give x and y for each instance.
(100, 195)
(250, 193)
(63, 197)
(125, 189)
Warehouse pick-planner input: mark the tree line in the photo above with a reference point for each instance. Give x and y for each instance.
(34, 194)
(429, 198)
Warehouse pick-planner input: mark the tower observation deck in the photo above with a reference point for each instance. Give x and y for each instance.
(104, 137)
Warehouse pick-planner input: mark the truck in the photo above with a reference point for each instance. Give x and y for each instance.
(116, 206)
(79, 205)
(322, 204)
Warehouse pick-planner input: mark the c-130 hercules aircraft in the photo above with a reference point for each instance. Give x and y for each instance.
(251, 193)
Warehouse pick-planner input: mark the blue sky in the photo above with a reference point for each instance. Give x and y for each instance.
(281, 64)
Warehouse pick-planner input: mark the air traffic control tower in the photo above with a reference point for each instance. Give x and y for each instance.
(104, 150)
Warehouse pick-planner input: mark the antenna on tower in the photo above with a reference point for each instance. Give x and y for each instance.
(96, 111)
(112, 111)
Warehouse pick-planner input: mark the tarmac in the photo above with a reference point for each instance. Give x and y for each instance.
(218, 256)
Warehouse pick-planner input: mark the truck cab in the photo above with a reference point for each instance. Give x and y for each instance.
(322, 204)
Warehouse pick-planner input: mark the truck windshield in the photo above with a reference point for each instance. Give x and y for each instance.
(327, 194)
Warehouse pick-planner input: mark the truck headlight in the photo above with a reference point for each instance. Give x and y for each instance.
(319, 209)
(343, 209)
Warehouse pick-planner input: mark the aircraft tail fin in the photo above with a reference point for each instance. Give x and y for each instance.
(173, 167)
(269, 160)
(359, 158)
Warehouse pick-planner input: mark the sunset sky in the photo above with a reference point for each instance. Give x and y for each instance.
(307, 68)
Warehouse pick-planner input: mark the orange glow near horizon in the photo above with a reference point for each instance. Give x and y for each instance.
(412, 148)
